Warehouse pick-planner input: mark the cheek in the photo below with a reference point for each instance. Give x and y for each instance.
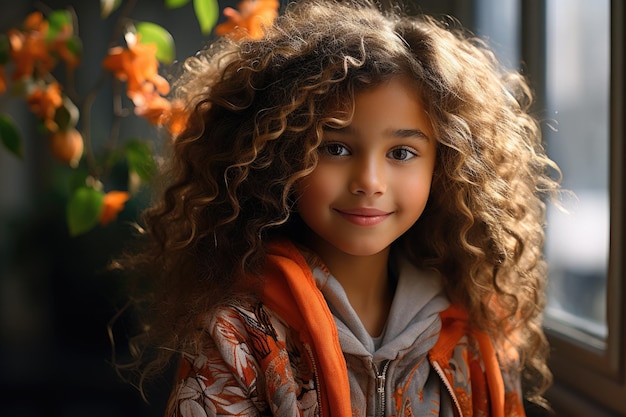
(320, 186)
(415, 191)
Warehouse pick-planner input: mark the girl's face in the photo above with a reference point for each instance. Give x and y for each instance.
(373, 177)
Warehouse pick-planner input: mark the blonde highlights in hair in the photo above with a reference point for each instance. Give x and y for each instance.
(257, 110)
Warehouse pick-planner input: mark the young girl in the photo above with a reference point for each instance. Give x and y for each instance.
(351, 225)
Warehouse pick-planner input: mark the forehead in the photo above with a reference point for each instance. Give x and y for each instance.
(396, 100)
(342, 96)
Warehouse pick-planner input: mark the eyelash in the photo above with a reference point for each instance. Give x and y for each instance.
(326, 149)
(409, 150)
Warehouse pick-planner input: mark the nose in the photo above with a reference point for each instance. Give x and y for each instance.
(368, 177)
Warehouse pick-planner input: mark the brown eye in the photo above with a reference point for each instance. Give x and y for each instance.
(334, 149)
(402, 153)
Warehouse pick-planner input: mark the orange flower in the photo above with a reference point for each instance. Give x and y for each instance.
(29, 50)
(61, 46)
(112, 204)
(35, 22)
(249, 20)
(161, 112)
(178, 118)
(157, 110)
(43, 101)
(71, 59)
(138, 66)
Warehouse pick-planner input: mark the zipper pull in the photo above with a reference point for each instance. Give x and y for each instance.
(381, 377)
(380, 383)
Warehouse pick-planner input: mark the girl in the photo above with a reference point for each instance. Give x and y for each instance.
(351, 225)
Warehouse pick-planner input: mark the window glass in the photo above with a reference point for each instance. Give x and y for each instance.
(577, 99)
(498, 22)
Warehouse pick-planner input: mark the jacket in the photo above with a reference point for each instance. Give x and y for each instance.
(277, 352)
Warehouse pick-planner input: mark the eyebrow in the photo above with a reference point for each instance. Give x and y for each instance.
(395, 133)
(410, 133)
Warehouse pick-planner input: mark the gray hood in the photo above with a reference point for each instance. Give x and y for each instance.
(400, 364)
(414, 313)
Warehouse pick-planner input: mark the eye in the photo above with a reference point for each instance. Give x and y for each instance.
(334, 149)
(403, 153)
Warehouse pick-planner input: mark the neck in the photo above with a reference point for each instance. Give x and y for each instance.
(362, 277)
(365, 279)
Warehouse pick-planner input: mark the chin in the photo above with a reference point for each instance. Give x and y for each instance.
(363, 249)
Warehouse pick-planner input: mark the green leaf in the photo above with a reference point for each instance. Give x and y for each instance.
(63, 118)
(108, 6)
(78, 179)
(173, 4)
(5, 49)
(153, 33)
(10, 135)
(75, 45)
(83, 210)
(140, 160)
(207, 13)
(57, 21)
(66, 116)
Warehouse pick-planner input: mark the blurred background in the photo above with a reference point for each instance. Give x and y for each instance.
(56, 295)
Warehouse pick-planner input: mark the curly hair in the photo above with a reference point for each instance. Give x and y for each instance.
(257, 111)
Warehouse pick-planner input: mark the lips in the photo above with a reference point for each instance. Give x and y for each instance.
(364, 216)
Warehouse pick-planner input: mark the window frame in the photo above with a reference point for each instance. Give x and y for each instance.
(590, 380)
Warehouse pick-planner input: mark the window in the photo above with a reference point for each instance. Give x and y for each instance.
(497, 21)
(577, 97)
(584, 94)
(573, 53)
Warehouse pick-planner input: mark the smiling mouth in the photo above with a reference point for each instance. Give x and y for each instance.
(364, 216)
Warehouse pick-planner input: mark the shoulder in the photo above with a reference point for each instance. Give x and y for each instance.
(459, 334)
(239, 318)
(473, 363)
(227, 374)
(241, 337)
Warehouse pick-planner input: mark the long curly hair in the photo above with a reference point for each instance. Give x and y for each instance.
(257, 111)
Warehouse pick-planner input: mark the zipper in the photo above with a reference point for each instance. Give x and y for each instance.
(446, 383)
(381, 375)
(317, 378)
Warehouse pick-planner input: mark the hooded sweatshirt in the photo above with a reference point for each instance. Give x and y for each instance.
(297, 348)
(383, 371)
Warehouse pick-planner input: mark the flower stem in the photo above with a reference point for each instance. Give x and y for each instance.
(87, 102)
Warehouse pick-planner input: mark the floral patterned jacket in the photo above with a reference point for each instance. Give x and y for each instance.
(277, 354)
